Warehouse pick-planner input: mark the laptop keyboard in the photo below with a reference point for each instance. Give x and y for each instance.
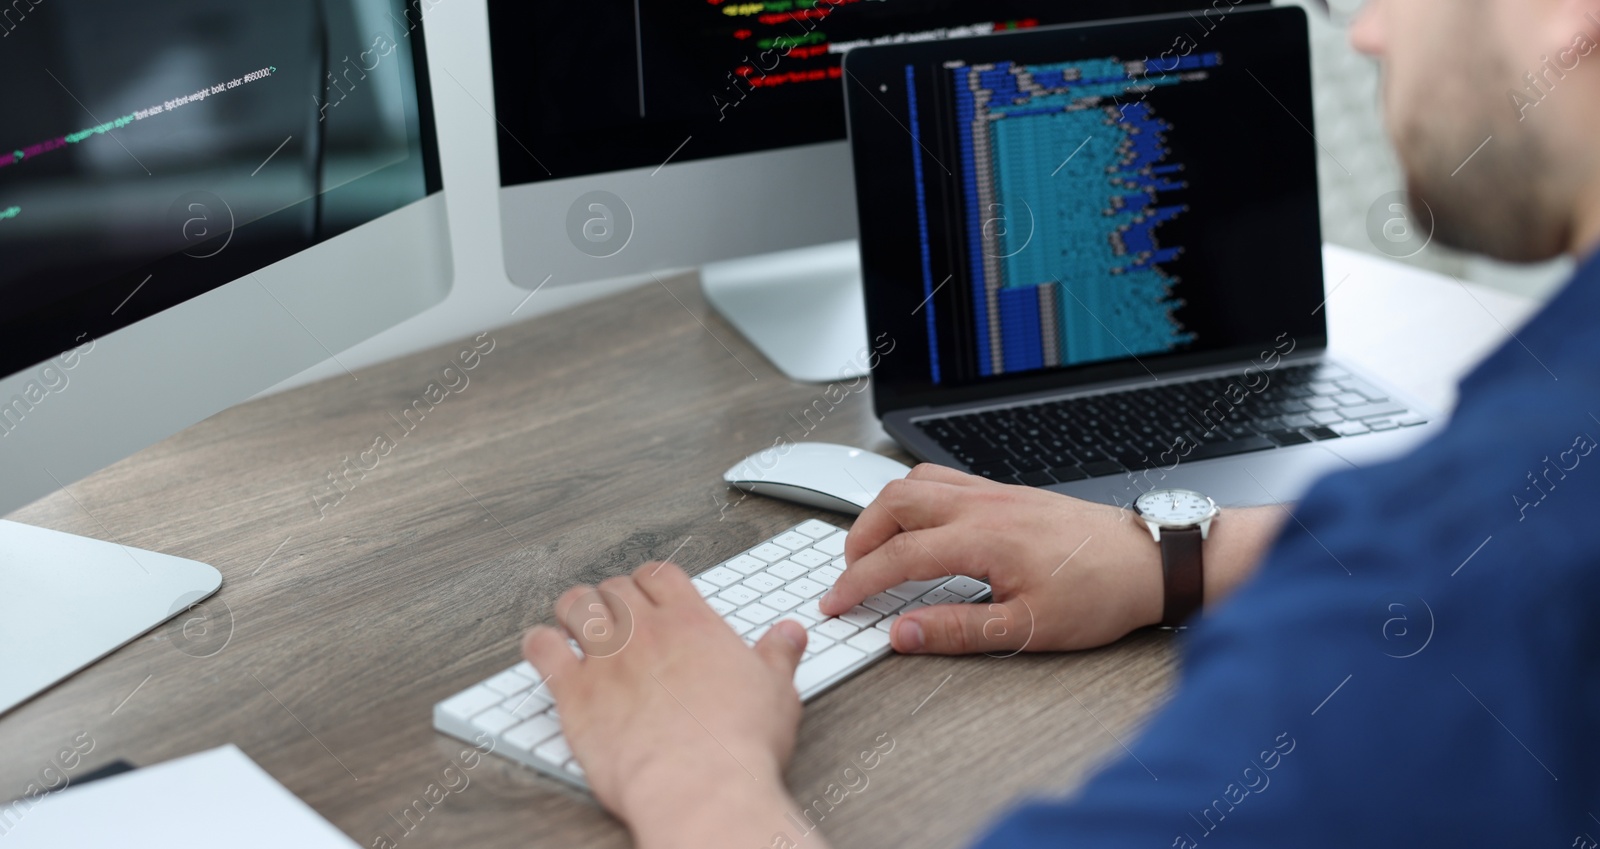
(1166, 423)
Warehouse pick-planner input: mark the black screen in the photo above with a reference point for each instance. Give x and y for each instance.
(156, 150)
(1084, 203)
(588, 88)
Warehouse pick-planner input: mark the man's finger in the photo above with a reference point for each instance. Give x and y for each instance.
(782, 646)
(548, 651)
(908, 556)
(963, 629)
(602, 618)
(665, 583)
(903, 505)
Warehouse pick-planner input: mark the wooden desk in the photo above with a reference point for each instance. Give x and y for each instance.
(585, 443)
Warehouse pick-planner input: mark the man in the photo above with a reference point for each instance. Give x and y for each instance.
(1307, 714)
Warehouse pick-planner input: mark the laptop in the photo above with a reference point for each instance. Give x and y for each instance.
(1092, 260)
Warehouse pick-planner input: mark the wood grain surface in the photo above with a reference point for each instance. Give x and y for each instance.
(580, 444)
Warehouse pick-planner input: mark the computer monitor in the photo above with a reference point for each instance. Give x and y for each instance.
(642, 135)
(198, 199)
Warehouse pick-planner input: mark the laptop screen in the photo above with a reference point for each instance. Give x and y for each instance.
(1073, 204)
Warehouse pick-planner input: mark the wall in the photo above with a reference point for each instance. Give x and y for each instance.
(1357, 169)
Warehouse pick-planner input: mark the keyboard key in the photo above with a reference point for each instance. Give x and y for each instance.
(744, 564)
(806, 588)
(869, 640)
(469, 703)
(1102, 468)
(763, 583)
(756, 633)
(739, 626)
(508, 683)
(815, 529)
(1412, 420)
(816, 641)
(802, 618)
(810, 610)
(941, 597)
(810, 558)
(781, 600)
(1039, 478)
(833, 545)
(792, 540)
(1289, 437)
(723, 608)
(1320, 433)
(883, 603)
(758, 613)
(526, 670)
(531, 733)
(911, 590)
(965, 587)
(887, 624)
(993, 469)
(1210, 450)
(555, 751)
(788, 570)
(1382, 424)
(739, 595)
(1326, 417)
(1373, 411)
(1068, 474)
(1350, 429)
(1350, 399)
(494, 720)
(705, 588)
(826, 576)
(862, 617)
(722, 576)
(1363, 388)
(838, 629)
(525, 706)
(825, 665)
(1322, 403)
(574, 767)
(769, 553)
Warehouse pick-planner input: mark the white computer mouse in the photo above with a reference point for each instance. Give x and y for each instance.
(817, 474)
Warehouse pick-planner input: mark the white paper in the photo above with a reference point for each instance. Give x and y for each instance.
(214, 798)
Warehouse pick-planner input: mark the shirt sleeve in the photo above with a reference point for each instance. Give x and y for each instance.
(1413, 665)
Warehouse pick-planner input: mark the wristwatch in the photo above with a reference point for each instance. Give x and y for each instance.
(1179, 520)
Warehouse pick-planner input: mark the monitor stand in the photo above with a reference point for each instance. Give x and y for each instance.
(67, 601)
(802, 308)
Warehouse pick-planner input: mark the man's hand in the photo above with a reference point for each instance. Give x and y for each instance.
(1067, 574)
(683, 731)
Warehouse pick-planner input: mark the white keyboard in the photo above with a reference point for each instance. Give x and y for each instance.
(781, 578)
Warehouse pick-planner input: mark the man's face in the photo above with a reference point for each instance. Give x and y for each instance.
(1449, 69)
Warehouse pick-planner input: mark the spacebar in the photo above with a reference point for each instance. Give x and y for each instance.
(1212, 450)
(823, 666)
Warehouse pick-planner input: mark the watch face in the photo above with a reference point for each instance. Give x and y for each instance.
(1175, 508)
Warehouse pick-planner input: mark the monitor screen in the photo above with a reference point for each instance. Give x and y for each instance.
(153, 151)
(1048, 202)
(588, 88)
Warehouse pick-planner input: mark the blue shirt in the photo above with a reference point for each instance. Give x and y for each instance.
(1417, 662)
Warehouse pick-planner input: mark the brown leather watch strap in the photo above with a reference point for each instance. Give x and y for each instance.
(1182, 575)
